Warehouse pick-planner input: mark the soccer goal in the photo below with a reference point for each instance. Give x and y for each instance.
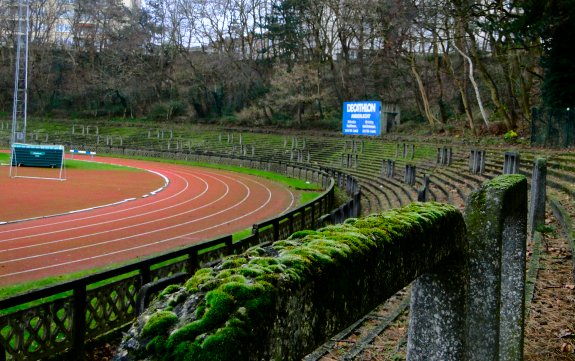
(48, 157)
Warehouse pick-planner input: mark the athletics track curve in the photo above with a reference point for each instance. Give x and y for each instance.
(196, 204)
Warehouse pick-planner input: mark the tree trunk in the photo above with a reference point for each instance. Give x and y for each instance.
(423, 93)
(475, 87)
(438, 63)
(495, 97)
(461, 88)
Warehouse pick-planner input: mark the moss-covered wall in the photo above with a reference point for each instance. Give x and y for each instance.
(282, 301)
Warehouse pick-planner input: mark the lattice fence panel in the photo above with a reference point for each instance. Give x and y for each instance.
(214, 255)
(37, 332)
(298, 222)
(284, 229)
(307, 218)
(111, 306)
(168, 270)
(266, 235)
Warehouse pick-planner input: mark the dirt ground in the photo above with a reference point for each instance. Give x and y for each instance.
(550, 327)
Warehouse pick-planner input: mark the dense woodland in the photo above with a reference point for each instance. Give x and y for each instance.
(473, 63)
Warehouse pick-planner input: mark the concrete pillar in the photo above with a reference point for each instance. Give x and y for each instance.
(422, 193)
(496, 218)
(444, 155)
(511, 163)
(437, 314)
(477, 161)
(409, 176)
(536, 215)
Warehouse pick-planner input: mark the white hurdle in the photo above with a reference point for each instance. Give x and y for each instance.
(84, 152)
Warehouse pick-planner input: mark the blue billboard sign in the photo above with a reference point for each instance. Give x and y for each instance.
(362, 118)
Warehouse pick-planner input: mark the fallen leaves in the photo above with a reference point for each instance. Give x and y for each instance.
(567, 347)
(566, 332)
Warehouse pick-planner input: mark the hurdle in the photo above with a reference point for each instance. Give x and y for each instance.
(83, 152)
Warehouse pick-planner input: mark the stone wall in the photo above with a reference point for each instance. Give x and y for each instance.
(280, 302)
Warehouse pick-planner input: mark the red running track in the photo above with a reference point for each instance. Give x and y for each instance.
(196, 204)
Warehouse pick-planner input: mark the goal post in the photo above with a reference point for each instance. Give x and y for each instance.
(40, 156)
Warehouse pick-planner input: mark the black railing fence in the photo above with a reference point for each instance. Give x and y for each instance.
(61, 319)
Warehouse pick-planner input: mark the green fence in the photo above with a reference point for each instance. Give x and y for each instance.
(553, 127)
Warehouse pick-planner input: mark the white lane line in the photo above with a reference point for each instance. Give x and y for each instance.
(43, 234)
(225, 222)
(140, 246)
(102, 214)
(61, 240)
(136, 225)
(166, 183)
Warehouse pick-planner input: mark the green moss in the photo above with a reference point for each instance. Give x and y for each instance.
(168, 291)
(301, 234)
(200, 277)
(159, 324)
(219, 306)
(157, 345)
(252, 272)
(334, 249)
(233, 262)
(225, 344)
(505, 181)
(298, 266)
(225, 273)
(350, 221)
(264, 261)
(288, 244)
(255, 251)
(240, 292)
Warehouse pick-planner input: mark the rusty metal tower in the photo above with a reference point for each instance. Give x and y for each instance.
(20, 104)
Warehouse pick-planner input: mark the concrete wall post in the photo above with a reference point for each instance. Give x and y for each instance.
(536, 215)
(496, 219)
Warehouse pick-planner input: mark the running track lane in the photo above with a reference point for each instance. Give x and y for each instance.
(197, 204)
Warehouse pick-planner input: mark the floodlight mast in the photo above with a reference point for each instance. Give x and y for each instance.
(20, 104)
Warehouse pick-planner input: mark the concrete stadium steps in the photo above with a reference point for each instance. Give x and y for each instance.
(448, 183)
(373, 199)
